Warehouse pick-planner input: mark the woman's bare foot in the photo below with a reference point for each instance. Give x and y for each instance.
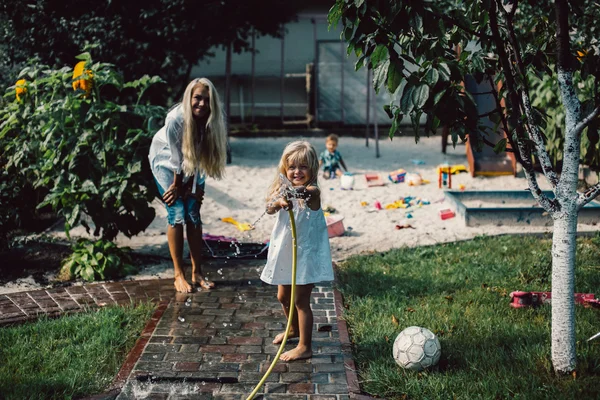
(202, 283)
(279, 338)
(299, 353)
(181, 285)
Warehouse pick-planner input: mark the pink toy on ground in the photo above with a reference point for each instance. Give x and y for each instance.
(335, 226)
(374, 180)
(521, 299)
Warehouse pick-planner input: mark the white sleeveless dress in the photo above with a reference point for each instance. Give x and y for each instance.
(314, 254)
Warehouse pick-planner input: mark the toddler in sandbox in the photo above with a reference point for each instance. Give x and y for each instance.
(295, 186)
(331, 159)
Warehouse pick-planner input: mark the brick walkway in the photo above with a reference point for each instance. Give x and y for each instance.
(211, 344)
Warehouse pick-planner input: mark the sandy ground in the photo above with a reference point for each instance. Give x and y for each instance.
(241, 195)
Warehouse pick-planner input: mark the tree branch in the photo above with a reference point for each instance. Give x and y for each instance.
(588, 195)
(492, 144)
(513, 38)
(548, 205)
(540, 147)
(586, 121)
(464, 28)
(504, 122)
(513, 98)
(514, 105)
(487, 114)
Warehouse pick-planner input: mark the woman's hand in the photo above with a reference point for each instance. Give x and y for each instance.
(171, 194)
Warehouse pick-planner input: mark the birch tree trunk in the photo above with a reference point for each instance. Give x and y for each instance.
(563, 287)
(564, 244)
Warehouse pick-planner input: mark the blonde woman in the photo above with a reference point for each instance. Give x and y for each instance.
(190, 146)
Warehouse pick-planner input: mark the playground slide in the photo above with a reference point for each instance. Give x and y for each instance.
(486, 162)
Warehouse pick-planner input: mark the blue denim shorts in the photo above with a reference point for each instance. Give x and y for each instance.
(183, 211)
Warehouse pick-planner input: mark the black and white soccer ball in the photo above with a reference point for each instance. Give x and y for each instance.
(417, 348)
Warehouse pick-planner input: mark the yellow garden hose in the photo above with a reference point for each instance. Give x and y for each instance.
(291, 312)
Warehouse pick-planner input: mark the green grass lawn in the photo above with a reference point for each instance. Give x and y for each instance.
(70, 356)
(460, 291)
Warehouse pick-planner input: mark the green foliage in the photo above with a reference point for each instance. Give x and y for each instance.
(69, 357)
(546, 98)
(81, 154)
(421, 52)
(98, 260)
(153, 37)
(460, 291)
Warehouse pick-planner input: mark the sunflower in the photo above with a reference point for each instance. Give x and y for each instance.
(21, 88)
(82, 79)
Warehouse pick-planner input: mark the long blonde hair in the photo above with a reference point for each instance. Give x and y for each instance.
(296, 152)
(210, 153)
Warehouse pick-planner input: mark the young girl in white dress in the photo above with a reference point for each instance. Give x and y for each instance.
(298, 168)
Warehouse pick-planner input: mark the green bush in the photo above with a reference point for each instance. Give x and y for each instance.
(546, 98)
(80, 152)
(100, 259)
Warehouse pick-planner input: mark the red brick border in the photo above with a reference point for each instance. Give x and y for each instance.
(349, 365)
(133, 356)
(139, 347)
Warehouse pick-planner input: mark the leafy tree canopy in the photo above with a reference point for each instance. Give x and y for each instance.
(154, 37)
(422, 50)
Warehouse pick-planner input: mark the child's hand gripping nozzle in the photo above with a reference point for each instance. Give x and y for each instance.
(288, 188)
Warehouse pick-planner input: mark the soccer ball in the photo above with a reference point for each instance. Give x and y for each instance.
(417, 348)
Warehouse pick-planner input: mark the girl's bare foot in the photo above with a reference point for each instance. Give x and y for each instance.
(299, 353)
(181, 285)
(279, 338)
(203, 283)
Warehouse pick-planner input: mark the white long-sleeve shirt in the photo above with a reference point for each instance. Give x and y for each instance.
(165, 156)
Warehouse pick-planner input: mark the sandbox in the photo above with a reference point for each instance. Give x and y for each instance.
(509, 207)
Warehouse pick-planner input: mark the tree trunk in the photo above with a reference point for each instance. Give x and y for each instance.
(563, 289)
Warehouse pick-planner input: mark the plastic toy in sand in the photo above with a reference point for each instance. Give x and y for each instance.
(445, 173)
(446, 213)
(347, 181)
(444, 177)
(335, 226)
(374, 180)
(453, 169)
(397, 204)
(407, 202)
(397, 176)
(413, 179)
(242, 226)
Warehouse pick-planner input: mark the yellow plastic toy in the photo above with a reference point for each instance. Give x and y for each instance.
(396, 204)
(242, 226)
(452, 169)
